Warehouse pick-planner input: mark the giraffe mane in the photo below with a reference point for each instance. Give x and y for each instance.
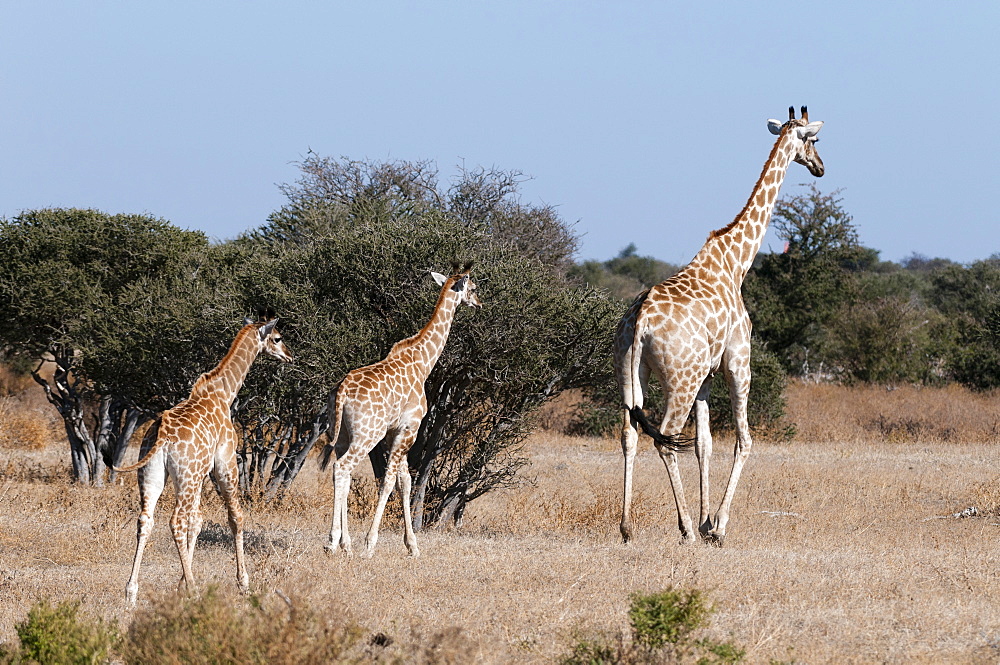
(774, 149)
(413, 339)
(202, 381)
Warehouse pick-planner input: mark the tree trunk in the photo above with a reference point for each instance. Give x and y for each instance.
(63, 394)
(287, 468)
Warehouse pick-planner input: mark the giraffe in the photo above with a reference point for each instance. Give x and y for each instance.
(686, 328)
(193, 439)
(387, 400)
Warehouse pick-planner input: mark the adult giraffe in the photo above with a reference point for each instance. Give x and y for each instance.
(387, 400)
(196, 438)
(688, 327)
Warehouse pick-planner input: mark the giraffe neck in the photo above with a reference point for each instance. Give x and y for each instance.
(426, 346)
(737, 244)
(227, 377)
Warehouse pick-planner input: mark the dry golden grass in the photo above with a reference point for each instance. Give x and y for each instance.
(842, 547)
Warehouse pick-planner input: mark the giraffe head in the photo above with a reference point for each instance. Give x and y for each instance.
(462, 284)
(270, 340)
(803, 135)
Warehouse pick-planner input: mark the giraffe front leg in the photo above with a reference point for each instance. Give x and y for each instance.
(678, 406)
(683, 517)
(385, 490)
(401, 441)
(226, 477)
(738, 374)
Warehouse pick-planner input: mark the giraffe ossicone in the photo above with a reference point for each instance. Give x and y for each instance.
(386, 400)
(193, 439)
(685, 329)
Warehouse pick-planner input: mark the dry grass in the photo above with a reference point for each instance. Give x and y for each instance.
(841, 548)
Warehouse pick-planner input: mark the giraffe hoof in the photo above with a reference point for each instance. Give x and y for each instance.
(414, 553)
(367, 554)
(333, 550)
(715, 539)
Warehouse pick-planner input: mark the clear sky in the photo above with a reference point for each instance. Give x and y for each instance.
(641, 122)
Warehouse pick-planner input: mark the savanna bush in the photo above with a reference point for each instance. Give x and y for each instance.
(213, 628)
(57, 635)
(663, 625)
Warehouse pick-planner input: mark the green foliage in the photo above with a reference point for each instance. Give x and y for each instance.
(667, 617)
(56, 635)
(663, 628)
(60, 269)
(66, 276)
(792, 296)
(970, 299)
(594, 652)
(886, 341)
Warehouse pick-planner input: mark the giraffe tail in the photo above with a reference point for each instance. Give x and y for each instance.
(662, 441)
(337, 409)
(153, 440)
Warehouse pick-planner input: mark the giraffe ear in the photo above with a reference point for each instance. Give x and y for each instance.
(460, 283)
(247, 321)
(810, 130)
(439, 278)
(774, 126)
(266, 329)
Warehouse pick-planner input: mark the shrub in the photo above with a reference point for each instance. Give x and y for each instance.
(663, 625)
(210, 628)
(667, 617)
(55, 635)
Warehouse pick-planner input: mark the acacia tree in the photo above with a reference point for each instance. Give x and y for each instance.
(353, 248)
(63, 275)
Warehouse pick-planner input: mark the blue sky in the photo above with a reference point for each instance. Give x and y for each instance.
(641, 122)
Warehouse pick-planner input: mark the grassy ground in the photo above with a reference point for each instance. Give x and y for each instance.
(842, 546)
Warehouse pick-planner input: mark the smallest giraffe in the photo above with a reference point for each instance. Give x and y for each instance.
(194, 439)
(386, 400)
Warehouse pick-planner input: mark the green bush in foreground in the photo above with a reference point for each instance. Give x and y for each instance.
(55, 635)
(663, 625)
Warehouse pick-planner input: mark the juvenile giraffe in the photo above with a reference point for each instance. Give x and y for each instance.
(196, 438)
(688, 327)
(387, 400)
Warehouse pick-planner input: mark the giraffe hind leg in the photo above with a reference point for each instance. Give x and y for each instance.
(402, 441)
(181, 522)
(703, 450)
(630, 441)
(151, 480)
(340, 539)
(739, 388)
